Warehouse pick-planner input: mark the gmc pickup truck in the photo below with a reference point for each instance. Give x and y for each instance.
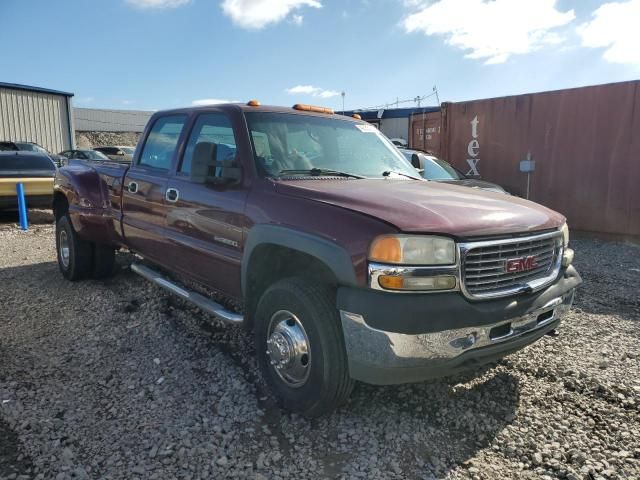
(347, 265)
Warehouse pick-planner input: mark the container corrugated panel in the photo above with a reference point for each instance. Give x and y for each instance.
(426, 132)
(103, 120)
(584, 142)
(28, 116)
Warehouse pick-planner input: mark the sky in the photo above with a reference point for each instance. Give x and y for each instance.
(157, 54)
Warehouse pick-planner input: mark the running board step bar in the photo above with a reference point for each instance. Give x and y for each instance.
(200, 301)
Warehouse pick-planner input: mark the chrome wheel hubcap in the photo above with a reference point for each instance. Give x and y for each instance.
(63, 240)
(288, 348)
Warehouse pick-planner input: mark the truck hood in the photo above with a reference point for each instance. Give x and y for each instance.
(422, 206)
(475, 183)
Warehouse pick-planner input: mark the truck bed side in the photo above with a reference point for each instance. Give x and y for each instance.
(92, 194)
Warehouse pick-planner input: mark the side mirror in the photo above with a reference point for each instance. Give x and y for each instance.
(224, 172)
(120, 153)
(415, 160)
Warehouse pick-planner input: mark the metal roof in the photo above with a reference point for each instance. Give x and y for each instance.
(16, 86)
(391, 112)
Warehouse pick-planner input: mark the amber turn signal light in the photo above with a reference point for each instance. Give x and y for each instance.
(391, 282)
(398, 282)
(356, 116)
(253, 103)
(386, 250)
(312, 108)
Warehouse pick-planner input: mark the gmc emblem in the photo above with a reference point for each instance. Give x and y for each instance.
(521, 264)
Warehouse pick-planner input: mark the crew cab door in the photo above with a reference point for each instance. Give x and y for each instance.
(144, 208)
(205, 221)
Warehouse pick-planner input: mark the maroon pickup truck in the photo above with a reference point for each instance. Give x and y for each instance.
(348, 266)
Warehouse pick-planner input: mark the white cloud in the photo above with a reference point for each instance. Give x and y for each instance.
(312, 91)
(257, 14)
(157, 3)
(210, 101)
(128, 102)
(490, 30)
(297, 19)
(614, 26)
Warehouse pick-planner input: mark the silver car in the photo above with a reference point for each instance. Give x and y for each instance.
(118, 153)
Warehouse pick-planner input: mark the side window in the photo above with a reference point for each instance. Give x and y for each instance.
(162, 142)
(211, 140)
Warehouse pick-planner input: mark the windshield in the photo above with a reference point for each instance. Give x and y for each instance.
(95, 155)
(284, 142)
(31, 147)
(436, 169)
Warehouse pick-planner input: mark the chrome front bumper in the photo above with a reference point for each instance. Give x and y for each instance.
(382, 357)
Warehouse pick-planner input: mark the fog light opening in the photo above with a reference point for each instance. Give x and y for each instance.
(545, 317)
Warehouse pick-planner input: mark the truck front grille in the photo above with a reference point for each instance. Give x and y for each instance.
(505, 267)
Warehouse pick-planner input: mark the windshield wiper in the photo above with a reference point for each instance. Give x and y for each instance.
(316, 172)
(387, 173)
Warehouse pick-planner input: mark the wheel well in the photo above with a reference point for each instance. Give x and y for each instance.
(60, 205)
(270, 263)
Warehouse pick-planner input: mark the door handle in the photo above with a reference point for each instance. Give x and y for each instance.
(132, 187)
(172, 195)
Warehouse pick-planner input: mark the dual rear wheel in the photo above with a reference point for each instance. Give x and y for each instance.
(79, 259)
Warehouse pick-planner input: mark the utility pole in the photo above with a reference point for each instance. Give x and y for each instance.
(435, 89)
(343, 94)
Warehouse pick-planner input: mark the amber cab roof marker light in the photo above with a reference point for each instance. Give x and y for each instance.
(312, 108)
(356, 116)
(253, 103)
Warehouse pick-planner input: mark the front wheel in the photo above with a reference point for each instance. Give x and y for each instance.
(300, 347)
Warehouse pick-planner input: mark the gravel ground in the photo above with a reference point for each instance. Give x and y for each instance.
(119, 380)
(105, 139)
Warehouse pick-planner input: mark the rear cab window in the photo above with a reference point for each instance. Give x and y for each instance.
(162, 142)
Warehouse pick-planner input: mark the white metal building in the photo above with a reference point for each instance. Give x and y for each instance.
(104, 120)
(33, 114)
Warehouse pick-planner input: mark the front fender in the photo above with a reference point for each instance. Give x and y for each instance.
(336, 258)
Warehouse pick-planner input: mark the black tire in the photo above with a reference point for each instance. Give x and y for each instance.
(76, 262)
(328, 383)
(104, 261)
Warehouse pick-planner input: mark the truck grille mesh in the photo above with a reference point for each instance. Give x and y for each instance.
(484, 268)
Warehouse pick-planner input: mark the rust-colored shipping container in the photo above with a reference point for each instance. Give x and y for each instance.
(425, 132)
(585, 143)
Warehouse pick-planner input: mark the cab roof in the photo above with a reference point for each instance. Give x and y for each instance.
(244, 107)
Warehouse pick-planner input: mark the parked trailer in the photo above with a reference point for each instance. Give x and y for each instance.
(583, 143)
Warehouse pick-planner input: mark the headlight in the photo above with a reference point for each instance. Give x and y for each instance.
(565, 235)
(413, 250)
